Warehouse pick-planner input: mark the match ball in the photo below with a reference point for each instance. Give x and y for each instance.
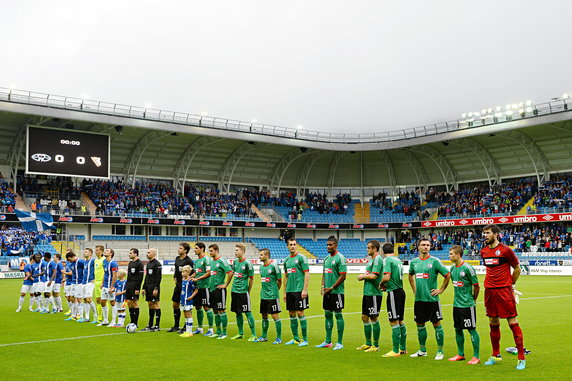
(131, 328)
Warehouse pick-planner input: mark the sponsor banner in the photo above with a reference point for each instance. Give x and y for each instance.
(356, 260)
(550, 270)
(126, 221)
(2, 217)
(96, 220)
(12, 275)
(526, 219)
(179, 222)
(546, 262)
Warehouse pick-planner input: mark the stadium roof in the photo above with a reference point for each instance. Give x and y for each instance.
(149, 143)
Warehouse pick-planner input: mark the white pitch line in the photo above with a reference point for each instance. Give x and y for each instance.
(233, 323)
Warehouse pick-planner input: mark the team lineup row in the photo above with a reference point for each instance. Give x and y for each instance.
(202, 285)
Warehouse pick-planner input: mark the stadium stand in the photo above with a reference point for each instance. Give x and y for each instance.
(16, 241)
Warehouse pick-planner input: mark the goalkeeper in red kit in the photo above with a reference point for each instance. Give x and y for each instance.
(500, 302)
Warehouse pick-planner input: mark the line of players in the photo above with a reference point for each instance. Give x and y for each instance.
(194, 290)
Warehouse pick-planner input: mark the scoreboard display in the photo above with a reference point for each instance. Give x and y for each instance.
(62, 152)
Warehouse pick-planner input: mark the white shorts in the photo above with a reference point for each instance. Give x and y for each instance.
(78, 291)
(41, 287)
(187, 307)
(88, 290)
(106, 295)
(27, 289)
(56, 287)
(34, 288)
(68, 289)
(50, 287)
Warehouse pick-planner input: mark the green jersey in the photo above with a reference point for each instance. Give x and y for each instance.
(219, 269)
(334, 265)
(464, 277)
(393, 266)
(374, 266)
(98, 270)
(269, 276)
(295, 268)
(426, 271)
(242, 272)
(202, 267)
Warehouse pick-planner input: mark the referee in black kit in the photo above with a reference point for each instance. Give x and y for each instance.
(182, 260)
(152, 290)
(135, 272)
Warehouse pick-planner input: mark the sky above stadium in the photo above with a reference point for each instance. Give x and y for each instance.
(338, 66)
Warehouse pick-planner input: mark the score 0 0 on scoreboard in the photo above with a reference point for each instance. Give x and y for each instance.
(62, 152)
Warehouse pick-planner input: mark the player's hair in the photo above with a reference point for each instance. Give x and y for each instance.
(47, 255)
(290, 240)
(58, 256)
(241, 246)
(457, 249)
(187, 269)
(375, 244)
(214, 246)
(333, 239)
(122, 272)
(88, 249)
(135, 250)
(33, 257)
(423, 239)
(99, 247)
(492, 227)
(266, 251)
(388, 248)
(201, 245)
(112, 252)
(185, 246)
(70, 254)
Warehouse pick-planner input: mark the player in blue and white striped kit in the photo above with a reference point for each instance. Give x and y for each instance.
(188, 292)
(119, 299)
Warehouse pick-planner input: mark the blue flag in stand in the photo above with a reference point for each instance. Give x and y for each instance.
(35, 222)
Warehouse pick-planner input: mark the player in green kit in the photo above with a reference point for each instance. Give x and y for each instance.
(333, 278)
(243, 273)
(202, 300)
(466, 286)
(372, 297)
(296, 280)
(271, 280)
(221, 275)
(423, 272)
(98, 272)
(395, 301)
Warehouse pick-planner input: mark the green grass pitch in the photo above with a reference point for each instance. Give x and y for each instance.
(34, 346)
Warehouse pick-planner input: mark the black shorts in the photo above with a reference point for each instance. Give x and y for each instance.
(176, 298)
(294, 301)
(203, 298)
(240, 302)
(333, 302)
(371, 305)
(465, 318)
(130, 292)
(270, 306)
(218, 299)
(395, 304)
(427, 311)
(149, 293)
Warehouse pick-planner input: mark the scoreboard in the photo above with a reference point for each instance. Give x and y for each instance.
(62, 152)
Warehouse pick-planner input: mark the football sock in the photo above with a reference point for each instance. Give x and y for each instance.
(58, 302)
(403, 343)
(121, 316)
(151, 317)
(341, 325)
(240, 323)
(265, 324)
(99, 311)
(210, 318)
(158, 317)
(104, 314)
(224, 322)
(131, 314)
(440, 336)
(460, 338)
(93, 311)
(422, 336)
(46, 302)
(329, 325)
(51, 303)
(200, 315)
(376, 328)
(476, 340)
(189, 325)
(250, 320)
(79, 309)
(304, 328)
(136, 316)
(21, 301)
(114, 314)
(495, 339)
(86, 311)
(367, 332)
(177, 317)
(278, 323)
(31, 301)
(217, 323)
(294, 327)
(395, 337)
(518, 339)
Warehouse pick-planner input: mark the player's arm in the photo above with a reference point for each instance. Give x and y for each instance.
(27, 275)
(285, 283)
(386, 277)
(446, 279)
(53, 277)
(372, 276)
(412, 282)
(250, 283)
(113, 279)
(139, 279)
(339, 281)
(229, 275)
(159, 278)
(476, 290)
(306, 283)
(195, 292)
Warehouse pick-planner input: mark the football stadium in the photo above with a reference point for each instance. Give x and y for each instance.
(146, 243)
